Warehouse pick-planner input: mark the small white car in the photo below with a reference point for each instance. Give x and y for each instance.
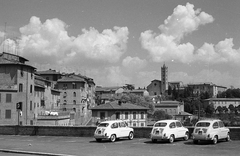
(113, 130)
(210, 130)
(168, 130)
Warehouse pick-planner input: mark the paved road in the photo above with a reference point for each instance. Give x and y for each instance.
(86, 146)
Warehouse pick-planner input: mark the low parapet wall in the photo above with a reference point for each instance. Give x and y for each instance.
(140, 132)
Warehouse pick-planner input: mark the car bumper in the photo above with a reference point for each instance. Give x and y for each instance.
(101, 137)
(201, 137)
(158, 137)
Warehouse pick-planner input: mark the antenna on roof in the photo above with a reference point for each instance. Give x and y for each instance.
(4, 36)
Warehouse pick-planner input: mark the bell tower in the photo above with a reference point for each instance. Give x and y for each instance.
(164, 76)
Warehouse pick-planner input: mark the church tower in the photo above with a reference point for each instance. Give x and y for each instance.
(164, 76)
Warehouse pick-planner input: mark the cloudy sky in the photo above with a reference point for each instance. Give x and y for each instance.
(127, 41)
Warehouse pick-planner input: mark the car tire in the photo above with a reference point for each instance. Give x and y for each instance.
(98, 140)
(154, 140)
(195, 141)
(228, 137)
(171, 139)
(186, 137)
(215, 140)
(113, 138)
(130, 136)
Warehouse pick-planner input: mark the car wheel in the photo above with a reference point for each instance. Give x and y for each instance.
(215, 139)
(113, 138)
(130, 136)
(98, 140)
(228, 137)
(195, 141)
(154, 140)
(186, 137)
(171, 139)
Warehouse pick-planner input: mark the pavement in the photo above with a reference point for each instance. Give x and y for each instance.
(87, 146)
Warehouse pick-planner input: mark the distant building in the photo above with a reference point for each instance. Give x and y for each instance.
(135, 115)
(211, 88)
(154, 88)
(170, 107)
(223, 102)
(77, 97)
(164, 76)
(16, 86)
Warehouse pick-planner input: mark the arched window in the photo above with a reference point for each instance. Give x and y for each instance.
(74, 102)
(74, 94)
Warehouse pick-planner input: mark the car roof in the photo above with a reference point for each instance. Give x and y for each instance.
(209, 120)
(112, 121)
(167, 121)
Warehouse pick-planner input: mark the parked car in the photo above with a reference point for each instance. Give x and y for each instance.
(113, 130)
(210, 130)
(168, 130)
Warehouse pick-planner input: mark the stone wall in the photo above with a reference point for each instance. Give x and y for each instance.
(140, 132)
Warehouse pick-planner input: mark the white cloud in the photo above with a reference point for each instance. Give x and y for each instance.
(134, 63)
(50, 43)
(166, 46)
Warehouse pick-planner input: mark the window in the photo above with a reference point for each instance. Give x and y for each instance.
(31, 122)
(126, 115)
(64, 94)
(142, 115)
(134, 115)
(215, 125)
(74, 102)
(74, 109)
(64, 86)
(31, 88)
(20, 89)
(102, 115)
(221, 124)
(8, 114)
(114, 125)
(30, 105)
(74, 94)
(74, 86)
(142, 124)
(117, 115)
(178, 124)
(134, 124)
(8, 98)
(172, 125)
(0, 96)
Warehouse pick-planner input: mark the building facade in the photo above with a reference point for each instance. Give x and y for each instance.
(16, 87)
(77, 97)
(223, 102)
(134, 115)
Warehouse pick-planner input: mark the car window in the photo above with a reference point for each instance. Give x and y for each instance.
(215, 125)
(203, 124)
(221, 124)
(160, 124)
(114, 125)
(122, 124)
(178, 124)
(172, 125)
(103, 125)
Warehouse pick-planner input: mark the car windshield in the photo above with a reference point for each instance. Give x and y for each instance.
(103, 125)
(160, 124)
(203, 124)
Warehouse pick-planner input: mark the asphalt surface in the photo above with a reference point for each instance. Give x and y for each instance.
(87, 146)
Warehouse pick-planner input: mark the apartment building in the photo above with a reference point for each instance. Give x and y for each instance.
(77, 97)
(16, 86)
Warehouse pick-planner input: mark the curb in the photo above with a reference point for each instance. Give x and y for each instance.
(30, 152)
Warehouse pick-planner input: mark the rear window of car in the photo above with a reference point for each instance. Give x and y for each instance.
(160, 124)
(203, 124)
(103, 124)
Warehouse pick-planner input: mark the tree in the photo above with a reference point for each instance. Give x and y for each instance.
(169, 90)
(231, 108)
(210, 110)
(220, 109)
(161, 115)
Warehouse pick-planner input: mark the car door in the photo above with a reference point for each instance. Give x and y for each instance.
(124, 129)
(173, 129)
(216, 129)
(115, 129)
(180, 130)
(223, 129)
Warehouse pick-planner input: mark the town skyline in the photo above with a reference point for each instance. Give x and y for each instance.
(127, 42)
